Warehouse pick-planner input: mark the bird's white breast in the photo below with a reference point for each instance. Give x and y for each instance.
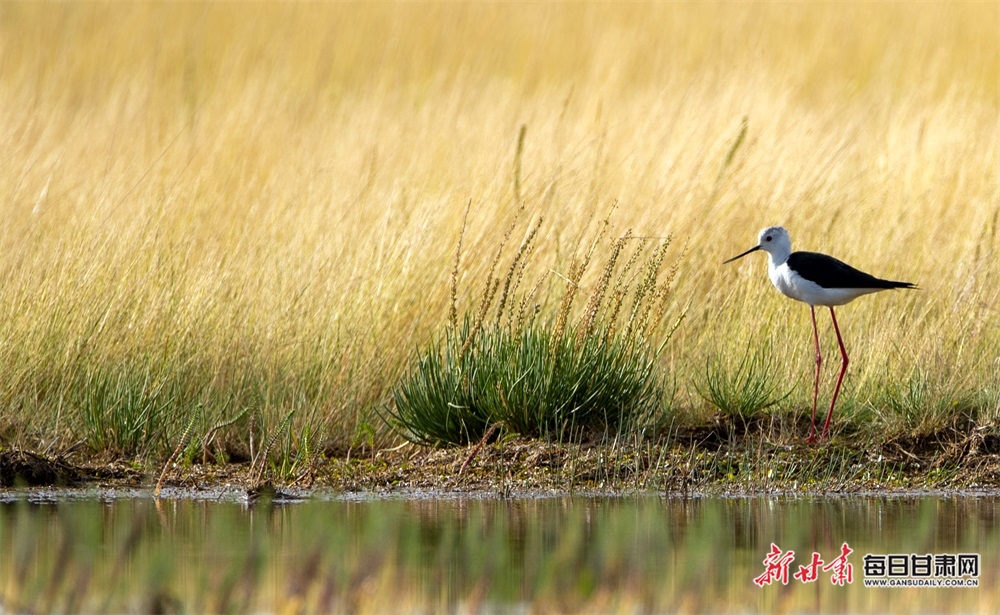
(793, 285)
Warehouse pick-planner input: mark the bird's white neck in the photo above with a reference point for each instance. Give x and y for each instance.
(777, 256)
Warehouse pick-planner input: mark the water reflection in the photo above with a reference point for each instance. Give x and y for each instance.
(425, 554)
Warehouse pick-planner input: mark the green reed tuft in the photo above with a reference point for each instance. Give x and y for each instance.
(918, 407)
(741, 391)
(543, 376)
(528, 381)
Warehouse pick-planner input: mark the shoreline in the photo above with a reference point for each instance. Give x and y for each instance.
(526, 468)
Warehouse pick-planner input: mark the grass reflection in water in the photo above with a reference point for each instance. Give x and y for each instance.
(568, 554)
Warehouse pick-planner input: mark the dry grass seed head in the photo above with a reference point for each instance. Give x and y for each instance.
(513, 277)
(453, 308)
(597, 296)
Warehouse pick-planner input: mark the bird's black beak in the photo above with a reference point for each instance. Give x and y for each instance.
(753, 249)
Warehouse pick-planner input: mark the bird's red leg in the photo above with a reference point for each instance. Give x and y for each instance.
(843, 370)
(819, 361)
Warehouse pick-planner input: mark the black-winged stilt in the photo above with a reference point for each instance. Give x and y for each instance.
(816, 279)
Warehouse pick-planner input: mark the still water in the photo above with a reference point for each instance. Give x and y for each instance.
(101, 552)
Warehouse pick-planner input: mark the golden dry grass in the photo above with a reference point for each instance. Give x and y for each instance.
(258, 205)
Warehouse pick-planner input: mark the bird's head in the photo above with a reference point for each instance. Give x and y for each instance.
(773, 240)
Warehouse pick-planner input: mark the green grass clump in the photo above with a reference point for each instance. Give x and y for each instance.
(917, 407)
(124, 411)
(570, 374)
(742, 391)
(530, 381)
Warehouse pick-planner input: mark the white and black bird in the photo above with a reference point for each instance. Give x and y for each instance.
(816, 279)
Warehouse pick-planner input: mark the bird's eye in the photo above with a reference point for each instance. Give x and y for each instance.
(768, 238)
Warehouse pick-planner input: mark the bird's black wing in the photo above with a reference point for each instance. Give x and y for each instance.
(830, 272)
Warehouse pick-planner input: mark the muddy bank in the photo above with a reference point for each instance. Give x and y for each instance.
(26, 468)
(705, 464)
